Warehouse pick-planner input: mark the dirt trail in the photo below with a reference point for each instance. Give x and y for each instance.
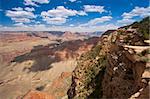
(147, 41)
(137, 49)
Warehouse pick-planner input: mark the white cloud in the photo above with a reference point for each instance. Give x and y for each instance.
(24, 20)
(94, 8)
(72, 0)
(55, 20)
(59, 15)
(71, 25)
(20, 15)
(42, 27)
(30, 2)
(29, 9)
(17, 9)
(37, 22)
(82, 13)
(97, 21)
(60, 11)
(41, 1)
(19, 24)
(35, 2)
(128, 18)
(137, 11)
(126, 21)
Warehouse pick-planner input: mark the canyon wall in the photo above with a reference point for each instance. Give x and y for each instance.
(117, 67)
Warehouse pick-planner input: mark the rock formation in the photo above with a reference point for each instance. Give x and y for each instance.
(37, 65)
(117, 67)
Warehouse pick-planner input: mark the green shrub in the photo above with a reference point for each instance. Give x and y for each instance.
(143, 28)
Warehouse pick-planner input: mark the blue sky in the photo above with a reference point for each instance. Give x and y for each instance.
(70, 15)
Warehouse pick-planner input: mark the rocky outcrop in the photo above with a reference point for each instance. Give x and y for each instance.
(43, 65)
(60, 50)
(113, 69)
(13, 44)
(38, 95)
(60, 85)
(70, 36)
(11, 37)
(123, 74)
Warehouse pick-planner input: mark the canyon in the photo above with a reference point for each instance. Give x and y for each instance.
(36, 62)
(65, 65)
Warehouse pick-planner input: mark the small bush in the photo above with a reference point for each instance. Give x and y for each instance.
(40, 88)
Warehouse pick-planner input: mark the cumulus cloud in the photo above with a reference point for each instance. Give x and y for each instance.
(20, 15)
(71, 25)
(72, 0)
(35, 2)
(30, 2)
(24, 20)
(137, 11)
(128, 18)
(82, 13)
(60, 11)
(125, 21)
(29, 9)
(55, 20)
(71, 28)
(97, 21)
(94, 8)
(17, 9)
(19, 24)
(59, 15)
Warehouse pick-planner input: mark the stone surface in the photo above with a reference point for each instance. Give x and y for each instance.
(117, 69)
(38, 95)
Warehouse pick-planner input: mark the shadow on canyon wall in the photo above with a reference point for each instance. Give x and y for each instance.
(44, 56)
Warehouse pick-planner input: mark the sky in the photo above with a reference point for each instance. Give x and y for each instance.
(70, 15)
